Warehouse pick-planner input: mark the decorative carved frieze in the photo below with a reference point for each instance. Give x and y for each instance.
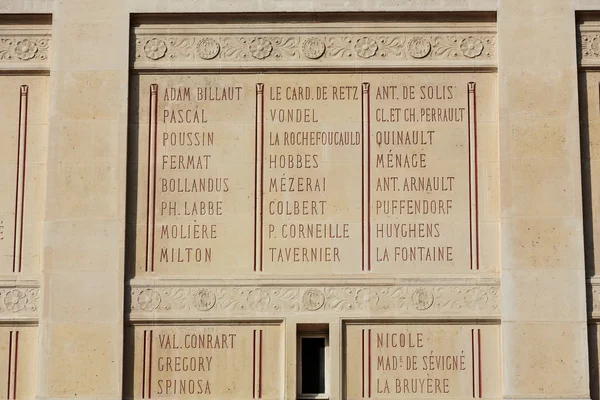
(588, 44)
(24, 49)
(19, 301)
(164, 300)
(278, 45)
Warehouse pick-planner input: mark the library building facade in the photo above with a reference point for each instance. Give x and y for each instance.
(299, 199)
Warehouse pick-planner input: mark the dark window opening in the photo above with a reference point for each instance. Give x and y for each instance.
(313, 365)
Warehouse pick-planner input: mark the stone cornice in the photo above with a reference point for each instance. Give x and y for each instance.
(317, 46)
(166, 300)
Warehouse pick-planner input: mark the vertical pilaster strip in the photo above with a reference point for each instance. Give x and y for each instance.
(363, 362)
(13, 362)
(366, 176)
(254, 364)
(473, 362)
(259, 146)
(473, 177)
(150, 367)
(9, 377)
(260, 364)
(85, 208)
(151, 184)
(370, 365)
(257, 363)
(147, 365)
(20, 179)
(479, 362)
(542, 257)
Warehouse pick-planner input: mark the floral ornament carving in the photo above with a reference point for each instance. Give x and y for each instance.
(20, 300)
(366, 47)
(595, 46)
(467, 300)
(419, 47)
(149, 299)
(155, 49)
(208, 48)
(313, 48)
(204, 299)
(589, 45)
(471, 47)
(422, 299)
(260, 48)
(259, 299)
(476, 298)
(24, 49)
(313, 299)
(325, 47)
(15, 300)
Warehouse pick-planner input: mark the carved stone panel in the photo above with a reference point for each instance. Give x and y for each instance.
(208, 361)
(335, 173)
(23, 145)
(18, 352)
(391, 361)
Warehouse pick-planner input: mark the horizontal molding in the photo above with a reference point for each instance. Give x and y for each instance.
(24, 49)
(19, 300)
(314, 46)
(168, 299)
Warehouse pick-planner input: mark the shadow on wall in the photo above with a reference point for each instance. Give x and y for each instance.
(594, 370)
(588, 219)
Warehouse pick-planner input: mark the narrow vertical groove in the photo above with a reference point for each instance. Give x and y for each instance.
(369, 186)
(262, 172)
(254, 365)
(150, 368)
(473, 360)
(470, 181)
(148, 180)
(260, 365)
(363, 363)
(9, 364)
(259, 180)
(17, 186)
(154, 178)
(370, 375)
(16, 364)
(151, 183)
(255, 173)
(20, 178)
(479, 358)
(144, 367)
(365, 223)
(25, 92)
(476, 176)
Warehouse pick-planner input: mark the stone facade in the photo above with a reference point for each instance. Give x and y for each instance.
(275, 199)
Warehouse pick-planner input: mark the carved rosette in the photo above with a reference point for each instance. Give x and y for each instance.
(366, 47)
(422, 299)
(419, 47)
(302, 48)
(155, 49)
(24, 49)
(188, 301)
(19, 302)
(208, 48)
(313, 48)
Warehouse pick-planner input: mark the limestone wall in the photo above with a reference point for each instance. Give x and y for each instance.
(303, 199)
